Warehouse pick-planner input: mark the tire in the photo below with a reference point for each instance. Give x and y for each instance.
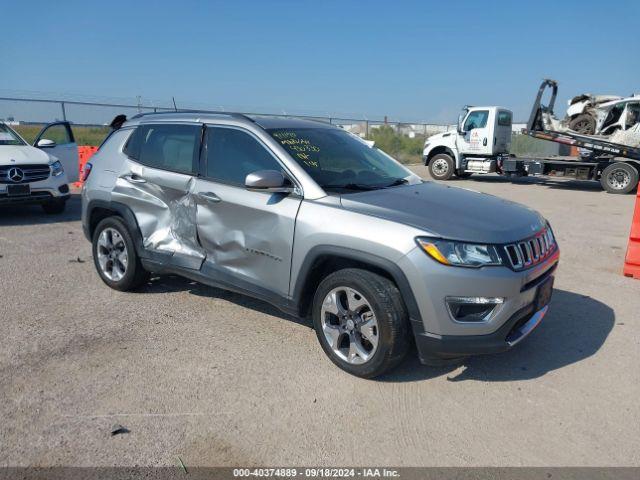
(441, 167)
(583, 123)
(111, 246)
(351, 288)
(54, 207)
(619, 178)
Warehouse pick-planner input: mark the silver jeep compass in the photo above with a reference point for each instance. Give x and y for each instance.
(319, 223)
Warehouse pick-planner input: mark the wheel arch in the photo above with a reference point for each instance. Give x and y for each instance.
(323, 260)
(629, 161)
(98, 210)
(634, 163)
(438, 150)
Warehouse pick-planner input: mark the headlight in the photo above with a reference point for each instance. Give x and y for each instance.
(460, 254)
(56, 169)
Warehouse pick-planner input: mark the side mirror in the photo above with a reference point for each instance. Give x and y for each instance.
(45, 143)
(268, 181)
(461, 118)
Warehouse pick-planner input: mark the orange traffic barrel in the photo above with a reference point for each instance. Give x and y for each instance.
(85, 152)
(632, 260)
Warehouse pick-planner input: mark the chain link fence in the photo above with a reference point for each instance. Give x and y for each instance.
(46, 110)
(91, 118)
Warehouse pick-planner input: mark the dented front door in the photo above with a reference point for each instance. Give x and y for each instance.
(247, 235)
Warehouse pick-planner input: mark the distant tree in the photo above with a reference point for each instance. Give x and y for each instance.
(403, 148)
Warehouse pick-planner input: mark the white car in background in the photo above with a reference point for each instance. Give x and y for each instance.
(602, 114)
(40, 173)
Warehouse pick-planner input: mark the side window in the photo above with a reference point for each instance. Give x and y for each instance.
(59, 133)
(477, 119)
(633, 114)
(168, 147)
(233, 154)
(132, 147)
(504, 118)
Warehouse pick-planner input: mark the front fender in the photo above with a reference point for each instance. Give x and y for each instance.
(577, 108)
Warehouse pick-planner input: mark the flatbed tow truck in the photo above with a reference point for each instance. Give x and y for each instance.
(481, 145)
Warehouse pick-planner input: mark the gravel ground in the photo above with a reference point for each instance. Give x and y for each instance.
(221, 379)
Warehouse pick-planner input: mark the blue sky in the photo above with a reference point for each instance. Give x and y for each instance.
(413, 60)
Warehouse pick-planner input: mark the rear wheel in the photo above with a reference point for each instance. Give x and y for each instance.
(619, 177)
(361, 322)
(441, 167)
(583, 123)
(54, 207)
(115, 257)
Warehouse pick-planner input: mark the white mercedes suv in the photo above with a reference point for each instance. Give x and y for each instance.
(40, 173)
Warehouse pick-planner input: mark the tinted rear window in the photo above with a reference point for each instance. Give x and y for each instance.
(168, 147)
(504, 119)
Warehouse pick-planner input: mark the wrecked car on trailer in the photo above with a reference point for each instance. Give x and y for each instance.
(603, 115)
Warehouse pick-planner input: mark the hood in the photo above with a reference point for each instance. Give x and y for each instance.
(437, 136)
(449, 212)
(22, 155)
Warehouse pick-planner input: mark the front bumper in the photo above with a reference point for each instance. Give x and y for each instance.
(53, 188)
(439, 336)
(35, 197)
(433, 349)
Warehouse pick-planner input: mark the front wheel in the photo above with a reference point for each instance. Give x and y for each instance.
(361, 322)
(619, 178)
(583, 123)
(441, 167)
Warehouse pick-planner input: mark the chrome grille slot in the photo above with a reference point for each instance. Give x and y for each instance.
(29, 173)
(535, 248)
(532, 251)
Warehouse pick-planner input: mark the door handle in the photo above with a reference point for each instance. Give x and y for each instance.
(484, 142)
(134, 179)
(210, 197)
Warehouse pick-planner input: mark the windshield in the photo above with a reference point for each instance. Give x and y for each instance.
(8, 136)
(336, 159)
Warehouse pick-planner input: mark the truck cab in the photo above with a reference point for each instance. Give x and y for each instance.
(481, 138)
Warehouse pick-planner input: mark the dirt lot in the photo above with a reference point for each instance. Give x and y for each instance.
(220, 379)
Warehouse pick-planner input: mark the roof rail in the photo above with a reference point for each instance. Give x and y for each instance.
(231, 114)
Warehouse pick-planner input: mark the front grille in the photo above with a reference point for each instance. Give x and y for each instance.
(531, 251)
(26, 173)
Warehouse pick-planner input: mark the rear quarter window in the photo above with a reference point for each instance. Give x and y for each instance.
(132, 147)
(504, 119)
(172, 147)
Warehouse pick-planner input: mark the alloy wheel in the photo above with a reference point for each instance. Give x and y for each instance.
(349, 325)
(113, 257)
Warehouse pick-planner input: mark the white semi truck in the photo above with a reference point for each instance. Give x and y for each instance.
(481, 142)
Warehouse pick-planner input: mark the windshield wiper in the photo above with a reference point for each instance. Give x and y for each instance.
(397, 182)
(353, 186)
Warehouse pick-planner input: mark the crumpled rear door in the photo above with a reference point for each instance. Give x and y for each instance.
(161, 199)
